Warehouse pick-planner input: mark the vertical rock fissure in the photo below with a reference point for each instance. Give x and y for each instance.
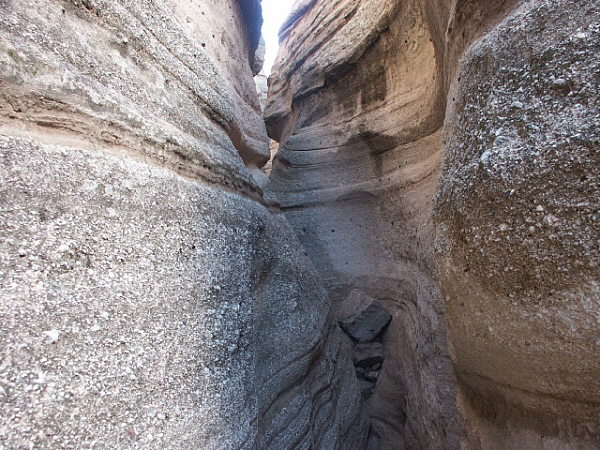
(421, 272)
(359, 123)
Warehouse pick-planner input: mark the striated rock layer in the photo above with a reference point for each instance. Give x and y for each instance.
(373, 100)
(149, 299)
(357, 104)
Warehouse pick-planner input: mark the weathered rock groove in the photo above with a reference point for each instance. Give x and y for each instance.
(442, 157)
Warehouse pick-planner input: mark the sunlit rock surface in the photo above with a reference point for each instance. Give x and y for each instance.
(148, 298)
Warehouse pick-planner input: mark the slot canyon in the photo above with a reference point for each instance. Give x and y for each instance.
(396, 247)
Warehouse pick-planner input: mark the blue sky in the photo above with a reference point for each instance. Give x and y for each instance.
(274, 12)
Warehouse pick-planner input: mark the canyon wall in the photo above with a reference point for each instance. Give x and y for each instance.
(148, 297)
(438, 165)
(518, 235)
(357, 103)
(441, 156)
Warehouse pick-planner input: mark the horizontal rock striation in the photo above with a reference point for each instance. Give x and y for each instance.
(136, 79)
(357, 103)
(149, 299)
(372, 101)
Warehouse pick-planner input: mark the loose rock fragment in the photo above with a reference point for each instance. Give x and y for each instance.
(364, 317)
(368, 355)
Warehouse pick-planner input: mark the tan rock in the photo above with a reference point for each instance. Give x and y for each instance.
(517, 243)
(358, 103)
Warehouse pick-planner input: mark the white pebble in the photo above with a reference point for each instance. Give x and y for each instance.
(53, 335)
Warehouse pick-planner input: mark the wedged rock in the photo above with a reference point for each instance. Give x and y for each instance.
(364, 317)
(368, 355)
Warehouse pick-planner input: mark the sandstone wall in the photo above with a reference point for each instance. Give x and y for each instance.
(357, 103)
(149, 299)
(369, 100)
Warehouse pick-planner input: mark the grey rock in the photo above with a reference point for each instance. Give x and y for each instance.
(368, 354)
(372, 376)
(366, 389)
(367, 320)
(357, 168)
(510, 240)
(488, 128)
(179, 311)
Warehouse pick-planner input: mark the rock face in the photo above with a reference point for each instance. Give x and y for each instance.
(373, 100)
(149, 299)
(438, 163)
(518, 234)
(357, 103)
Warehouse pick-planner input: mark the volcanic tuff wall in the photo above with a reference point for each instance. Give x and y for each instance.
(148, 298)
(356, 101)
(518, 233)
(442, 156)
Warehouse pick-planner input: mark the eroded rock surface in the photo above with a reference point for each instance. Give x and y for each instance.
(518, 234)
(357, 103)
(149, 299)
(366, 98)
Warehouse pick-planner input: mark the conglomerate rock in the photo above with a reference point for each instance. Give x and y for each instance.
(365, 99)
(148, 298)
(518, 229)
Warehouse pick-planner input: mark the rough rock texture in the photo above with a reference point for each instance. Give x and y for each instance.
(365, 98)
(518, 231)
(149, 299)
(368, 354)
(365, 319)
(356, 103)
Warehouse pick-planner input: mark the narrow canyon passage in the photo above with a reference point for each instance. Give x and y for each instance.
(366, 100)
(418, 271)
(355, 175)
